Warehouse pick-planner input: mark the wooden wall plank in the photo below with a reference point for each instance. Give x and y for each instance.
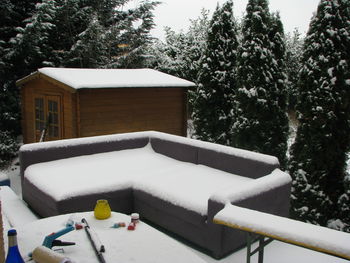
(106, 111)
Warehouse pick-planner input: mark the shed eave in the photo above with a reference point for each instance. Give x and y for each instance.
(21, 82)
(24, 80)
(130, 87)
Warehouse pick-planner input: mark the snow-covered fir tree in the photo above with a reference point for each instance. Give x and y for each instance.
(294, 44)
(8, 148)
(180, 53)
(33, 44)
(343, 220)
(320, 192)
(278, 93)
(12, 15)
(86, 33)
(261, 123)
(197, 40)
(213, 103)
(87, 50)
(168, 56)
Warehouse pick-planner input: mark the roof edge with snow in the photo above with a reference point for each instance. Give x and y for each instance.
(86, 78)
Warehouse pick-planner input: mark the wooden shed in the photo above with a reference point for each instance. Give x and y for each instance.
(70, 103)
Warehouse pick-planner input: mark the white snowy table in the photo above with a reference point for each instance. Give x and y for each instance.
(294, 232)
(144, 244)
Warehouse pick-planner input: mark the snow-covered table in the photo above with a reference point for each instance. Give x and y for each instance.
(294, 232)
(144, 244)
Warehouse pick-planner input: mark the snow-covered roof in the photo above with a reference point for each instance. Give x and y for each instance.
(79, 78)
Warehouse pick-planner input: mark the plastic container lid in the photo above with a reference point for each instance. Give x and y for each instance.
(12, 232)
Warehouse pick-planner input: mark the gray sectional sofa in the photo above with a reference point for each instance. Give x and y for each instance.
(177, 183)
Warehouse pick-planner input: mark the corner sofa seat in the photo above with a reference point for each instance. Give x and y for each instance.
(177, 183)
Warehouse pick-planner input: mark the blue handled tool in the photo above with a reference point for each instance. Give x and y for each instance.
(51, 241)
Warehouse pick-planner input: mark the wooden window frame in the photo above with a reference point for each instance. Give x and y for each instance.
(54, 130)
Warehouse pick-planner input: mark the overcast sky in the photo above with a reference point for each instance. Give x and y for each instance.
(177, 13)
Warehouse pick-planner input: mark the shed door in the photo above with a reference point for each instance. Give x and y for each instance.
(47, 118)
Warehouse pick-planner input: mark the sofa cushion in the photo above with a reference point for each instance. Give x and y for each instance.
(96, 173)
(120, 200)
(189, 185)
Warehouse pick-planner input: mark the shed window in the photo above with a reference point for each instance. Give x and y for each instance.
(53, 118)
(39, 114)
(47, 118)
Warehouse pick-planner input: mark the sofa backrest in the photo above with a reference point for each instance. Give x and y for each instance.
(235, 164)
(49, 151)
(228, 159)
(232, 160)
(176, 150)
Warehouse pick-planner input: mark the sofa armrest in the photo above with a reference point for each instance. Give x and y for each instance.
(270, 194)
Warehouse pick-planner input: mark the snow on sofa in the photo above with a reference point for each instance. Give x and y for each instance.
(177, 183)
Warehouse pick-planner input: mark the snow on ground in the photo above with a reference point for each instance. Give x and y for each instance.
(13, 174)
(277, 252)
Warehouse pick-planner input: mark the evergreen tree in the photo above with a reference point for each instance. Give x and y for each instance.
(294, 44)
(196, 43)
(343, 222)
(196, 39)
(278, 93)
(12, 16)
(212, 110)
(319, 152)
(33, 47)
(8, 148)
(85, 33)
(261, 123)
(169, 56)
(107, 36)
(90, 49)
(180, 54)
